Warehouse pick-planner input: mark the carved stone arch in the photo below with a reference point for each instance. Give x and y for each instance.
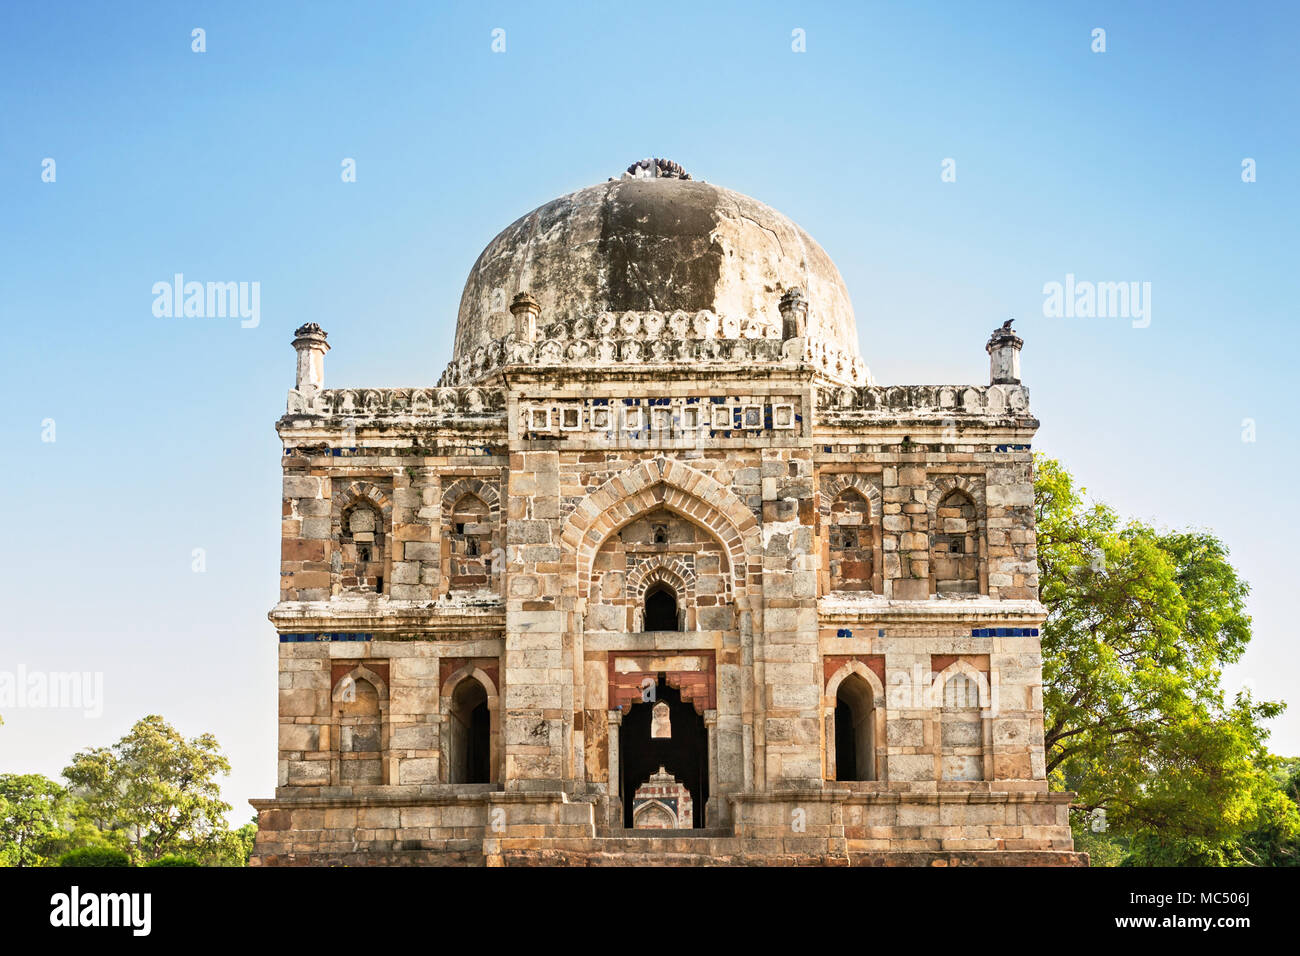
(662, 483)
(940, 485)
(837, 484)
(466, 555)
(879, 719)
(677, 574)
(971, 488)
(898, 396)
(460, 674)
(963, 740)
(863, 671)
(359, 491)
(361, 672)
(483, 490)
(652, 808)
(960, 667)
(446, 696)
(365, 494)
(830, 489)
(341, 726)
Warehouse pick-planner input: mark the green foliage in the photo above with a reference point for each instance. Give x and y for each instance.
(1140, 624)
(95, 856)
(155, 791)
(172, 859)
(1103, 847)
(231, 848)
(34, 812)
(244, 838)
(1273, 844)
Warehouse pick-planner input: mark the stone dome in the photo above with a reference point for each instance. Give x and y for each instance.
(655, 240)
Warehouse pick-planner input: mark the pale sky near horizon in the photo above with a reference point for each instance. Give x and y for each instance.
(225, 166)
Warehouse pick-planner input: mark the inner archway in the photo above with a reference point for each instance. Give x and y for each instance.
(661, 609)
(855, 756)
(470, 733)
(685, 754)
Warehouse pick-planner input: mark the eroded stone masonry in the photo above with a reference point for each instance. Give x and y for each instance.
(657, 573)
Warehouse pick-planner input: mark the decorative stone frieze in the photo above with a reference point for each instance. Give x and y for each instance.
(438, 404)
(650, 338)
(933, 400)
(712, 416)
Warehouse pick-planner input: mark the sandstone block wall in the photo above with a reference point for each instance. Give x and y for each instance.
(810, 536)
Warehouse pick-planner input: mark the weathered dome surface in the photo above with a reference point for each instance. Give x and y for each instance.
(661, 244)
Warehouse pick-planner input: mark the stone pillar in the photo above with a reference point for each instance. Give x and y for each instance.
(309, 342)
(526, 311)
(786, 659)
(794, 315)
(715, 804)
(539, 696)
(615, 817)
(1004, 356)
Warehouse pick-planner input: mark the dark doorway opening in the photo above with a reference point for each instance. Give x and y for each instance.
(855, 753)
(661, 609)
(480, 744)
(685, 754)
(470, 747)
(846, 753)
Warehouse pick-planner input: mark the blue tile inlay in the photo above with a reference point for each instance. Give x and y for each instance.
(330, 636)
(1004, 632)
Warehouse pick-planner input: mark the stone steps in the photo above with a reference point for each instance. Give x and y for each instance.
(659, 850)
(700, 833)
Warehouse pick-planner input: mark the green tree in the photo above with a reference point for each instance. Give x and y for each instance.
(34, 815)
(244, 838)
(1140, 624)
(95, 856)
(233, 848)
(155, 791)
(1272, 844)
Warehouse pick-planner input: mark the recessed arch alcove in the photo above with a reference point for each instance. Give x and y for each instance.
(685, 754)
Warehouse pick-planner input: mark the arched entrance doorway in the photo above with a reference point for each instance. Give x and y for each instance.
(661, 609)
(855, 754)
(470, 729)
(685, 754)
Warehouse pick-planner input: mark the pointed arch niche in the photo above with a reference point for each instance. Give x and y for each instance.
(852, 558)
(853, 706)
(359, 719)
(648, 532)
(662, 485)
(470, 717)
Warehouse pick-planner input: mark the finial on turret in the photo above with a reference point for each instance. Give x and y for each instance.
(656, 169)
(526, 311)
(794, 314)
(1004, 355)
(309, 342)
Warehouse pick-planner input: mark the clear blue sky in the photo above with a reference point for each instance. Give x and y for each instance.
(225, 165)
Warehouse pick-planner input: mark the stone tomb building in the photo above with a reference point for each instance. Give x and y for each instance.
(657, 514)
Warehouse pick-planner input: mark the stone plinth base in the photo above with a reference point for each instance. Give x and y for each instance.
(791, 828)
